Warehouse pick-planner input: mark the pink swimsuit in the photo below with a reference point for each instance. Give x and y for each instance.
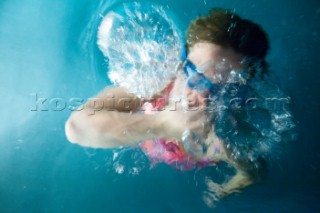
(169, 151)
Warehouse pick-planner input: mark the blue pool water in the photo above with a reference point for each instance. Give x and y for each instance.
(48, 50)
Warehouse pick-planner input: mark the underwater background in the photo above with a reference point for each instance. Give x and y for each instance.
(48, 50)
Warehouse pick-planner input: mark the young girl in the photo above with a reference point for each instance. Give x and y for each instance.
(177, 126)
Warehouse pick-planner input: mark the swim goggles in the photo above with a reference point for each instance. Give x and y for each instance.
(197, 80)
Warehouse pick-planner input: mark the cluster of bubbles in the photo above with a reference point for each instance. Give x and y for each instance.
(126, 161)
(252, 117)
(139, 46)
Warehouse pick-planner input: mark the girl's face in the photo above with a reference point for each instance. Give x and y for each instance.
(215, 63)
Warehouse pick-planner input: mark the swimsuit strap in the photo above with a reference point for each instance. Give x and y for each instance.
(162, 101)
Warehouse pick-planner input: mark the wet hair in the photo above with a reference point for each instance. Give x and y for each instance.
(225, 28)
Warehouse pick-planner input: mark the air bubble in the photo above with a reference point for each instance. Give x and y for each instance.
(138, 43)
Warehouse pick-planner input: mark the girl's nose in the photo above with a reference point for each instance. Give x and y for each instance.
(195, 98)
